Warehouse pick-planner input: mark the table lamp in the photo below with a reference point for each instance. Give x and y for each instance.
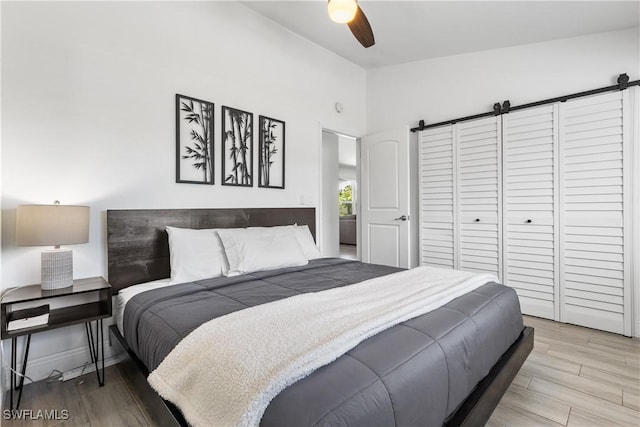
(53, 225)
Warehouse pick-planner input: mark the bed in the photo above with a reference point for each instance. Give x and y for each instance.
(450, 366)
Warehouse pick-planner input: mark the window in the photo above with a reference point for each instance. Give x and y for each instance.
(345, 198)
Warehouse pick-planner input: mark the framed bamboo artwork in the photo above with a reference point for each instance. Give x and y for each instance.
(237, 147)
(194, 140)
(271, 153)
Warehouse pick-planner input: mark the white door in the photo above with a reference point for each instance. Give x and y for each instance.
(595, 221)
(530, 143)
(479, 196)
(437, 202)
(385, 198)
(460, 196)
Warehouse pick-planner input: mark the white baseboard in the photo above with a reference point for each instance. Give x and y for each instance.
(69, 362)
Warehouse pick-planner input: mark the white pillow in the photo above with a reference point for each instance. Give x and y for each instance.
(257, 249)
(303, 236)
(195, 254)
(305, 239)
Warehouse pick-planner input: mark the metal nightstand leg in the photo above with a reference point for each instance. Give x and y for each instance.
(96, 347)
(15, 386)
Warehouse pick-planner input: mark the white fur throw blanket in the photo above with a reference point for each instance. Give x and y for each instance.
(226, 371)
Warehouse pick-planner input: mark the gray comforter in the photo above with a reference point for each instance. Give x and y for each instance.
(414, 374)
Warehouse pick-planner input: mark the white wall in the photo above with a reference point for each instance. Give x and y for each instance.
(88, 116)
(347, 172)
(347, 149)
(446, 88)
(330, 242)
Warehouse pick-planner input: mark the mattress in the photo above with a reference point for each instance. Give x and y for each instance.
(415, 373)
(123, 297)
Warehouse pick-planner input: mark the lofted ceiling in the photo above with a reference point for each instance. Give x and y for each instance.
(408, 31)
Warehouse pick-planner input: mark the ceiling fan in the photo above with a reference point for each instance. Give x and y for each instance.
(349, 12)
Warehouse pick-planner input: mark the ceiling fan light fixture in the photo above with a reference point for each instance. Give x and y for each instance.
(342, 11)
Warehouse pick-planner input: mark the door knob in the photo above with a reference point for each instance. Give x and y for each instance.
(401, 218)
(477, 220)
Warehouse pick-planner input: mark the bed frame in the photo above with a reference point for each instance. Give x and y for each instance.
(138, 252)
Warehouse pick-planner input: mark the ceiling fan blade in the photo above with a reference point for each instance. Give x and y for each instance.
(361, 29)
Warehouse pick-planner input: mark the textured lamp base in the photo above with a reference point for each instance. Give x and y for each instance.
(57, 269)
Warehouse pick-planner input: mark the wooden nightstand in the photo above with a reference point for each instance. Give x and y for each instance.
(87, 300)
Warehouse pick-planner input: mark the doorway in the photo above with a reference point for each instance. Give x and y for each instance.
(340, 175)
(348, 197)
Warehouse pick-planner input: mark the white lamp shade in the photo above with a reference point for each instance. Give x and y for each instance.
(342, 11)
(51, 225)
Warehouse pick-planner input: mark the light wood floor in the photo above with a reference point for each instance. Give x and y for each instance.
(348, 252)
(112, 405)
(574, 377)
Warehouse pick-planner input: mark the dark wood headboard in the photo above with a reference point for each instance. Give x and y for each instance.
(138, 247)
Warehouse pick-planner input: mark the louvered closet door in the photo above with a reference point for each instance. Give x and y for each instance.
(437, 183)
(479, 195)
(529, 200)
(594, 193)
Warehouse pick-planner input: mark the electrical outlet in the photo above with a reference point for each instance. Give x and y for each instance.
(302, 199)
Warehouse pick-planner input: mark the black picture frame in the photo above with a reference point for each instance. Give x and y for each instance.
(271, 153)
(237, 147)
(194, 140)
